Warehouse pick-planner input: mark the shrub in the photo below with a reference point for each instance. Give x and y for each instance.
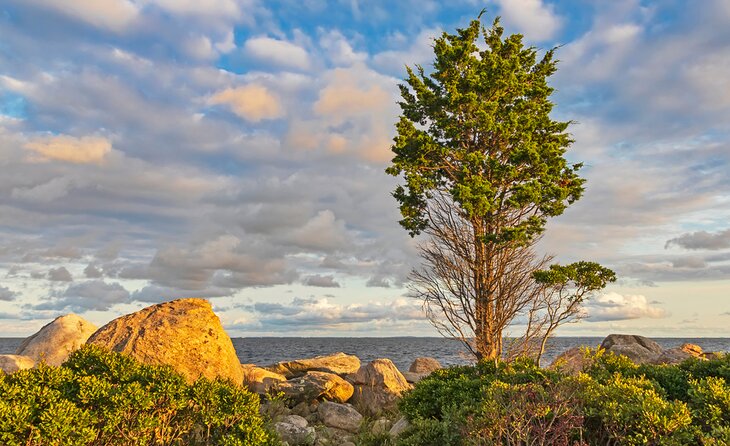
(104, 398)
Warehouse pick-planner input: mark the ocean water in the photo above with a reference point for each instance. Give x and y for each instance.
(401, 350)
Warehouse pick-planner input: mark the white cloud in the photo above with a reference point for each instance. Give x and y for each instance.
(223, 8)
(84, 150)
(252, 102)
(115, 15)
(339, 50)
(617, 307)
(536, 20)
(277, 52)
(420, 52)
(44, 193)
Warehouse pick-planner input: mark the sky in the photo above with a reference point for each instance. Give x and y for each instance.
(235, 150)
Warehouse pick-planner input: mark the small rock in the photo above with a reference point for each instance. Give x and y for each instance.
(340, 416)
(301, 409)
(56, 340)
(338, 363)
(293, 434)
(347, 443)
(424, 365)
(712, 355)
(692, 349)
(399, 427)
(12, 363)
(413, 378)
(296, 420)
(315, 385)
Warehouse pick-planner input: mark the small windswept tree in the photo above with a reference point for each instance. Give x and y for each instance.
(484, 169)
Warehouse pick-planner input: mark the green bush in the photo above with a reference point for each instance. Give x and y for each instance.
(104, 398)
(615, 402)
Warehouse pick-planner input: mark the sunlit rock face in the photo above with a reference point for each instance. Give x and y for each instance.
(183, 333)
(56, 340)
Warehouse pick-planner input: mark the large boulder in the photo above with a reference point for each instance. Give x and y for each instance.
(338, 363)
(56, 340)
(13, 363)
(378, 386)
(317, 385)
(637, 348)
(260, 380)
(183, 333)
(340, 416)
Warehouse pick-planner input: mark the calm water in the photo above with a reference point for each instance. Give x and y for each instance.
(401, 351)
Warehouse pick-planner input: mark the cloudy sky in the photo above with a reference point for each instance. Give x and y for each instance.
(234, 150)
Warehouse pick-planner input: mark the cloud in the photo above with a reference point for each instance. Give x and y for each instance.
(533, 18)
(84, 150)
(91, 295)
(6, 294)
(702, 240)
(317, 280)
(222, 8)
(92, 272)
(44, 193)
(345, 95)
(115, 15)
(60, 274)
(338, 49)
(419, 52)
(617, 307)
(277, 52)
(319, 313)
(251, 102)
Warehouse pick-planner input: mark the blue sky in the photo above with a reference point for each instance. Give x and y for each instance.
(234, 150)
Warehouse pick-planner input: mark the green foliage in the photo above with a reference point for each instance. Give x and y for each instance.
(478, 129)
(104, 398)
(615, 402)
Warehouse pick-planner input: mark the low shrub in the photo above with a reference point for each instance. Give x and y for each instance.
(615, 402)
(100, 397)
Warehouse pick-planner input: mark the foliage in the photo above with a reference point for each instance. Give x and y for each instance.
(484, 168)
(614, 402)
(100, 397)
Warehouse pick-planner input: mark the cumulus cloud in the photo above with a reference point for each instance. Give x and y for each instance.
(91, 295)
(60, 274)
(531, 17)
(702, 240)
(617, 307)
(319, 313)
(6, 294)
(322, 281)
(92, 272)
(84, 150)
(251, 102)
(277, 52)
(115, 15)
(339, 50)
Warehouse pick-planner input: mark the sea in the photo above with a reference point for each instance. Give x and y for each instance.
(401, 350)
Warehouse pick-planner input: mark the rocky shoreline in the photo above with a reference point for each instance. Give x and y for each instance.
(325, 400)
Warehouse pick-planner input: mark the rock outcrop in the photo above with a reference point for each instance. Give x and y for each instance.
(56, 340)
(12, 363)
(260, 380)
(316, 386)
(183, 333)
(338, 363)
(378, 386)
(637, 348)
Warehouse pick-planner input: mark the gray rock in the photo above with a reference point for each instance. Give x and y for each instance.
(340, 416)
(296, 420)
(571, 361)
(672, 356)
(399, 427)
(413, 378)
(637, 348)
(12, 363)
(294, 434)
(56, 340)
(380, 426)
